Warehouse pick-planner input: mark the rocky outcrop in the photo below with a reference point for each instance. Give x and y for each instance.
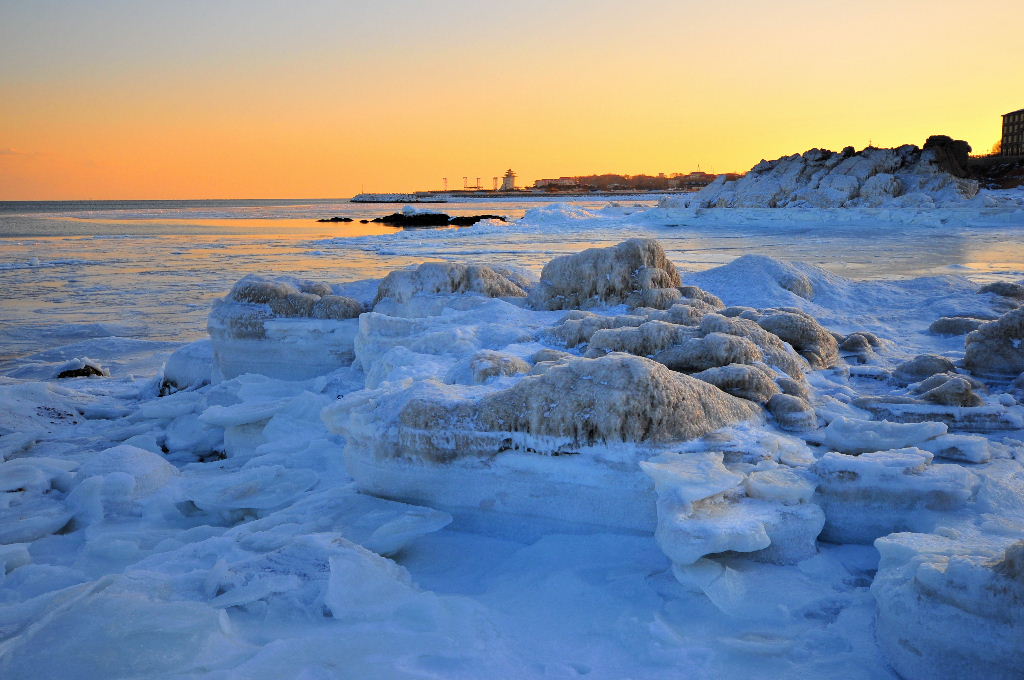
(949, 155)
(907, 176)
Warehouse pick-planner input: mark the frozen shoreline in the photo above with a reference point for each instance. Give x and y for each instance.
(219, 526)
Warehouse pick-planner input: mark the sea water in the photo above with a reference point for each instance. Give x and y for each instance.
(110, 277)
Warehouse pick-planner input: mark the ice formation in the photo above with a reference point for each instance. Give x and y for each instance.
(281, 327)
(706, 509)
(877, 493)
(951, 604)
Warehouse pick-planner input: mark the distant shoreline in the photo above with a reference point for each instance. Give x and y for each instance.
(448, 196)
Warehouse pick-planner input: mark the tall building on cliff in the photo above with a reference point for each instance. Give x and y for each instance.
(1013, 133)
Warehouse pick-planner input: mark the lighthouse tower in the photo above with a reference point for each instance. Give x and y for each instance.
(508, 182)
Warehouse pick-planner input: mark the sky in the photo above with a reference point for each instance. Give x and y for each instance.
(305, 99)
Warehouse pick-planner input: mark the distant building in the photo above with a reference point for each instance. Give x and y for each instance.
(1013, 133)
(560, 183)
(693, 180)
(508, 182)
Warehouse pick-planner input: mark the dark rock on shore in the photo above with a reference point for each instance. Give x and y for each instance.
(951, 155)
(432, 220)
(86, 371)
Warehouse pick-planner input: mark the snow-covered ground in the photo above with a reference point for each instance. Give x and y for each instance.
(472, 479)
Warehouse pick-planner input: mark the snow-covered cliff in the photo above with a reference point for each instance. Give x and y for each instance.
(904, 177)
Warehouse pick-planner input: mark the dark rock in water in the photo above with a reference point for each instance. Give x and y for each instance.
(363, 221)
(335, 219)
(950, 154)
(432, 220)
(85, 371)
(414, 220)
(470, 220)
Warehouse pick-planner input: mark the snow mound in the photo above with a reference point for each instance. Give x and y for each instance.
(190, 366)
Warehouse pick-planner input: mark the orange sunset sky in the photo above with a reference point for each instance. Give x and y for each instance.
(254, 98)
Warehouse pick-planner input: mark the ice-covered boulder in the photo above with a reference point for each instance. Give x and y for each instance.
(576, 403)
(446, 278)
(951, 604)
(921, 367)
(285, 328)
(485, 365)
(705, 509)
(949, 390)
(956, 325)
(793, 413)
(570, 430)
(860, 346)
(747, 381)
(1005, 289)
(635, 272)
(80, 367)
(775, 352)
(997, 348)
(577, 327)
(644, 340)
(687, 312)
(874, 494)
(797, 388)
(805, 334)
(710, 351)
